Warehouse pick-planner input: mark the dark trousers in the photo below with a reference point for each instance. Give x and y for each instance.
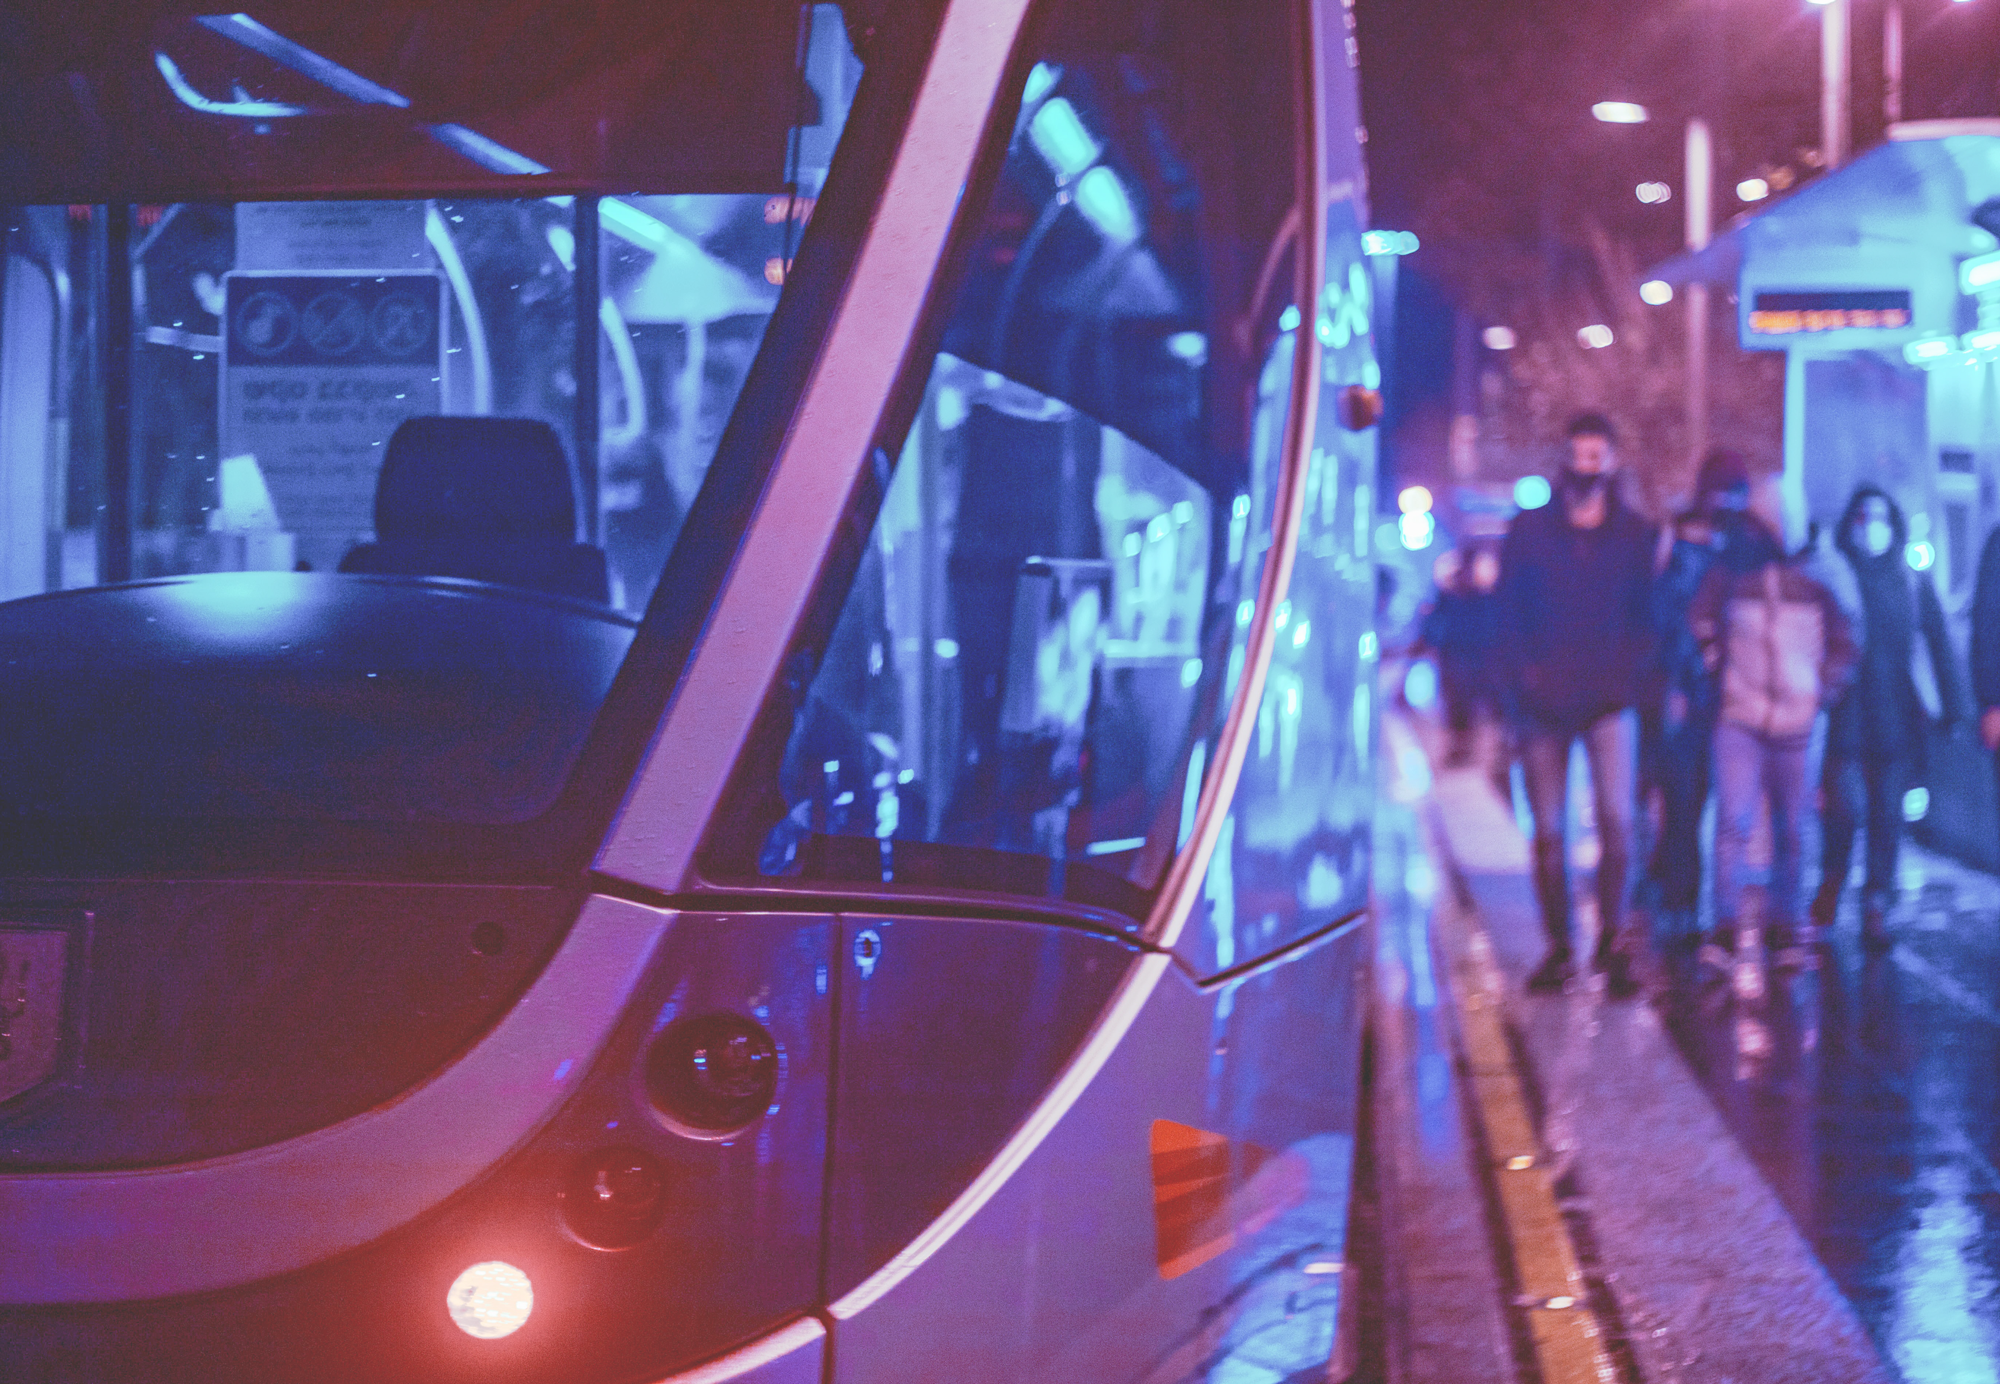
(1862, 790)
(1610, 746)
(1686, 758)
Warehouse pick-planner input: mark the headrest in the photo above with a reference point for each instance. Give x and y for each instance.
(475, 478)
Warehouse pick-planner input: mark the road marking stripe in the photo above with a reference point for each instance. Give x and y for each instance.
(1568, 1342)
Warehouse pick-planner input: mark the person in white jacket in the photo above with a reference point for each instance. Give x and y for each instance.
(1783, 649)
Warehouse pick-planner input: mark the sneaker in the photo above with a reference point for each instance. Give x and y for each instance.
(1676, 931)
(1619, 982)
(1748, 980)
(1875, 928)
(1718, 954)
(1555, 972)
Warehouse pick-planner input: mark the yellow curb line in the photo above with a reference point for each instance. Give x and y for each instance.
(1568, 1345)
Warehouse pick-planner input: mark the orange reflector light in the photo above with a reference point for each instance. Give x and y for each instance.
(1209, 1191)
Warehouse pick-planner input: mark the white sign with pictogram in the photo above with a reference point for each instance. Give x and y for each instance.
(317, 371)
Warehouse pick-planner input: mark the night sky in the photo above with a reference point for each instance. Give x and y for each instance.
(1481, 138)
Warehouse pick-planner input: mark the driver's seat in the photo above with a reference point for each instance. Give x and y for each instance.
(486, 499)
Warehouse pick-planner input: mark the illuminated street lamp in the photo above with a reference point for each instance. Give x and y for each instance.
(1620, 112)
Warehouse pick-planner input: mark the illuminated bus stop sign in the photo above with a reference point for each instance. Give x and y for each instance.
(317, 371)
(1805, 312)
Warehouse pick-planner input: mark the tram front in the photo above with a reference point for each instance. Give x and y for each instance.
(669, 671)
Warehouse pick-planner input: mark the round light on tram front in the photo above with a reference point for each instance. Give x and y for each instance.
(490, 1300)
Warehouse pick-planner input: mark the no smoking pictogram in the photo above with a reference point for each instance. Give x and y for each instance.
(333, 323)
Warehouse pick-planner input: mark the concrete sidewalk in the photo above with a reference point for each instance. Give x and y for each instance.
(1699, 1273)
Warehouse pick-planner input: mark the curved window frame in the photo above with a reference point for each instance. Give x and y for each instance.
(1155, 913)
(560, 843)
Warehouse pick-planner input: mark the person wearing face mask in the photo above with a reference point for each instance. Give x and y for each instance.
(1577, 634)
(1986, 644)
(1715, 531)
(1875, 734)
(1782, 650)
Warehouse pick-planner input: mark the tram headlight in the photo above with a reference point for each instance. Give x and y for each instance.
(490, 1300)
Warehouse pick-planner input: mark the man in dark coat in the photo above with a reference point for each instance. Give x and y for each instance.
(1576, 588)
(1875, 733)
(1715, 531)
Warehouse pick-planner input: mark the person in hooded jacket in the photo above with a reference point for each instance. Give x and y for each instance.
(1782, 650)
(1576, 624)
(1875, 734)
(1715, 531)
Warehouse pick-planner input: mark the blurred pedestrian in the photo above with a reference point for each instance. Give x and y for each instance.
(1782, 650)
(1576, 584)
(1463, 630)
(1986, 644)
(1875, 737)
(1715, 531)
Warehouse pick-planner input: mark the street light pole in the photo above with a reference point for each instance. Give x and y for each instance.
(1892, 62)
(1833, 95)
(1700, 224)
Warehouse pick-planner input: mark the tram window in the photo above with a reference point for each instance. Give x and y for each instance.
(1020, 688)
(1293, 854)
(297, 394)
(266, 387)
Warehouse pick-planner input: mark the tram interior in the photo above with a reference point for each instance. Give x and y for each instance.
(229, 454)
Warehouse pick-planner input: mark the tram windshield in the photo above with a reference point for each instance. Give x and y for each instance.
(359, 367)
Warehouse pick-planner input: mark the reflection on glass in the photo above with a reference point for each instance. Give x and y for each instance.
(1298, 839)
(1009, 670)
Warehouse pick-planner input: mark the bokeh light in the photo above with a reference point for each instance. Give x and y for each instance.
(1532, 492)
